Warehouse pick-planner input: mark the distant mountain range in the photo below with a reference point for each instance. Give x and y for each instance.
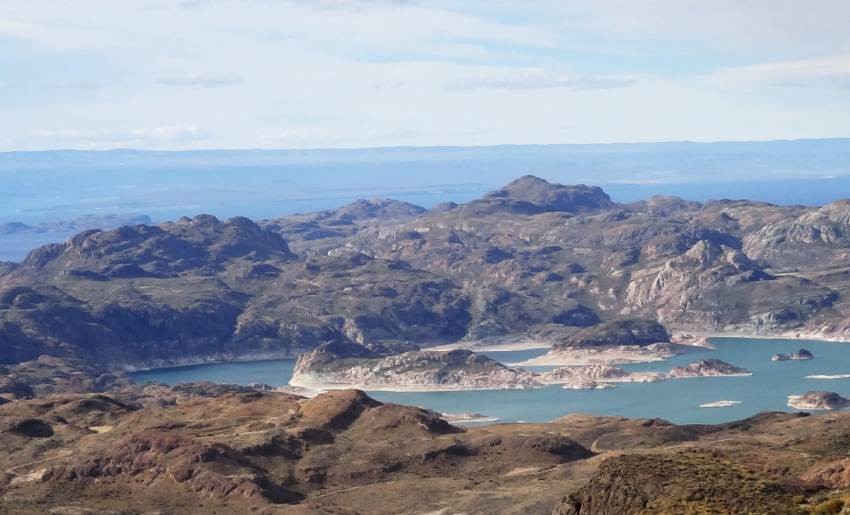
(663, 162)
(77, 224)
(63, 184)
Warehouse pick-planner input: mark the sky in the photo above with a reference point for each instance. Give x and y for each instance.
(201, 74)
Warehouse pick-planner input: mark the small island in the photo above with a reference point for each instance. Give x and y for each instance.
(707, 368)
(800, 355)
(815, 400)
(340, 365)
(595, 376)
(632, 340)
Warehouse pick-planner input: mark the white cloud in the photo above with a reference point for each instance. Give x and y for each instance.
(317, 137)
(207, 80)
(75, 84)
(384, 72)
(538, 79)
(151, 137)
(836, 67)
(52, 37)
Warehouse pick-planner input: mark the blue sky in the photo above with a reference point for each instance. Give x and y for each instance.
(168, 74)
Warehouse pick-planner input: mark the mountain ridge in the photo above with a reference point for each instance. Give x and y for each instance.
(389, 273)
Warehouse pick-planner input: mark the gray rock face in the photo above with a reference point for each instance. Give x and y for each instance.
(817, 237)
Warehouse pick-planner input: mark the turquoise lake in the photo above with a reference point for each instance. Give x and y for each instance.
(674, 400)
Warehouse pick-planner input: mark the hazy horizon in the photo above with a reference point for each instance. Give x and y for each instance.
(446, 146)
(50, 187)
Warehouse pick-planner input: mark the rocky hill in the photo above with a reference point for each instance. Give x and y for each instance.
(530, 260)
(640, 332)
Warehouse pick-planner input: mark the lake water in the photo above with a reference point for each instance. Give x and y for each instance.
(674, 400)
(15, 247)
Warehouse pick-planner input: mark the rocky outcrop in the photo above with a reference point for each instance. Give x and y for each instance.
(640, 332)
(707, 368)
(594, 374)
(338, 366)
(578, 316)
(545, 196)
(800, 355)
(817, 239)
(155, 251)
(818, 401)
(676, 287)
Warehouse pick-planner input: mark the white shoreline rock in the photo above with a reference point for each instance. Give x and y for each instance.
(468, 418)
(720, 404)
(825, 376)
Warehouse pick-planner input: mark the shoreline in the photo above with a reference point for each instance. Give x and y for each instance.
(742, 374)
(782, 336)
(322, 386)
(496, 347)
(251, 358)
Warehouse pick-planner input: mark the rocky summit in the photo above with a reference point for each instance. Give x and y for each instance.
(561, 264)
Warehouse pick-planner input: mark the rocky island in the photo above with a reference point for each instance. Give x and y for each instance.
(345, 365)
(613, 342)
(707, 368)
(800, 355)
(816, 400)
(595, 376)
